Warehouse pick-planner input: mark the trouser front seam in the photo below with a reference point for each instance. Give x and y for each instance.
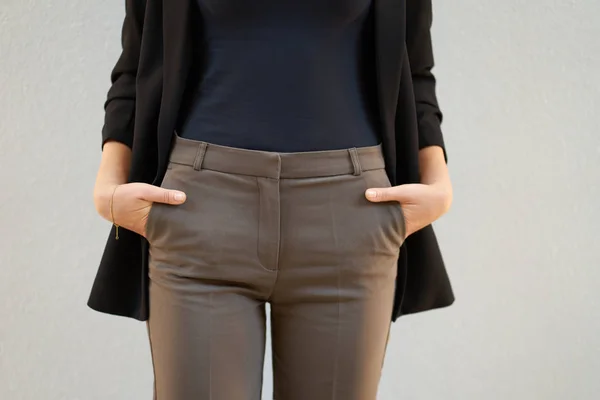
(269, 223)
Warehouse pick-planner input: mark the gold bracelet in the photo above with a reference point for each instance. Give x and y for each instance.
(112, 216)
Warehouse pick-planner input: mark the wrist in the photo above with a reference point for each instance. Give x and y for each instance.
(103, 196)
(445, 195)
(434, 173)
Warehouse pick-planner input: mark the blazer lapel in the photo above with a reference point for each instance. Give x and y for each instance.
(390, 32)
(177, 58)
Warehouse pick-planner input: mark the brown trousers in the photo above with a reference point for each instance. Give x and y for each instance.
(291, 229)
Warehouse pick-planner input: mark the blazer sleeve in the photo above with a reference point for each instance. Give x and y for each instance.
(119, 106)
(419, 15)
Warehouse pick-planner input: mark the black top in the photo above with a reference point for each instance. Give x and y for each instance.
(286, 75)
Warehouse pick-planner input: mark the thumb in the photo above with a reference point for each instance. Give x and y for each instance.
(379, 194)
(161, 195)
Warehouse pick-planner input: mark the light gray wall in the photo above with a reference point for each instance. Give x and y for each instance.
(519, 84)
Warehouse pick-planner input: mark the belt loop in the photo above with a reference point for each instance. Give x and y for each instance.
(200, 152)
(355, 161)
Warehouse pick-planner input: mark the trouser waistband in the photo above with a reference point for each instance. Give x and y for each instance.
(202, 155)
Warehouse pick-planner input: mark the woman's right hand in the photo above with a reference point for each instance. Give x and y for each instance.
(131, 203)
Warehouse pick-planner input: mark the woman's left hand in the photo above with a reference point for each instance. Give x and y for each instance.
(422, 204)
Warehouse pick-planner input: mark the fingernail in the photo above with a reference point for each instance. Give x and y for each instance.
(179, 196)
(372, 194)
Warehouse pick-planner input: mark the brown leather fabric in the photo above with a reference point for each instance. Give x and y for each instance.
(291, 229)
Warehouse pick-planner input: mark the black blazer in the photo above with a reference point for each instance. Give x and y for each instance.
(153, 83)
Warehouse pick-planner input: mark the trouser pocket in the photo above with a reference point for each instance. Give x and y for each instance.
(379, 179)
(174, 178)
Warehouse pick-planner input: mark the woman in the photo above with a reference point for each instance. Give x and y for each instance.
(260, 152)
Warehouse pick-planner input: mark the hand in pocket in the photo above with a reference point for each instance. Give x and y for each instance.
(131, 203)
(421, 204)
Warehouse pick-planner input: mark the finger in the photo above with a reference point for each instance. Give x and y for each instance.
(380, 194)
(162, 195)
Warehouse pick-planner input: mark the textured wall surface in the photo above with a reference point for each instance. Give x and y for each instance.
(519, 85)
